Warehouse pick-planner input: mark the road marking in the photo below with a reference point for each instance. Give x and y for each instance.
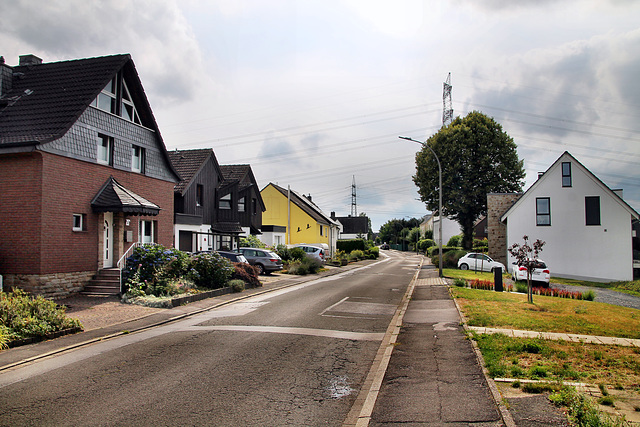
(328, 333)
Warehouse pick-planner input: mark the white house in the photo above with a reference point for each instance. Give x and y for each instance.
(585, 224)
(450, 228)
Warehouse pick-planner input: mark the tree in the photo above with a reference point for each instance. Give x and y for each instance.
(392, 230)
(527, 256)
(477, 158)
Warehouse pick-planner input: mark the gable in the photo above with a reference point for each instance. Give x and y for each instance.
(47, 102)
(190, 163)
(580, 181)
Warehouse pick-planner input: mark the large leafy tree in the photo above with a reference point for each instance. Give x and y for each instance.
(395, 230)
(477, 158)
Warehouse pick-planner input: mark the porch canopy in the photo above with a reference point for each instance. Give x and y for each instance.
(226, 228)
(113, 197)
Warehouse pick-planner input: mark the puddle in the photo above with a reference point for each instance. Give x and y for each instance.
(339, 388)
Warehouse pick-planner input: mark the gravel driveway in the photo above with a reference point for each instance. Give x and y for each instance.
(607, 296)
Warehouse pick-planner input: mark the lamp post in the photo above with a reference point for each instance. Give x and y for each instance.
(424, 144)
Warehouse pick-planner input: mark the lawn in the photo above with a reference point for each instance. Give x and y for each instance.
(550, 314)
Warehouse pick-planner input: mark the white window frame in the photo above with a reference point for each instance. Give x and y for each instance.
(78, 222)
(143, 236)
(128, 108)
(104, 153)
(137, 158)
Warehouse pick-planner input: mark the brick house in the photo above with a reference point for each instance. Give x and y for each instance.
(214, 205)
(85, 172)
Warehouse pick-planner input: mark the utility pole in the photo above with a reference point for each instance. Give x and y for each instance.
(447, 105)
(354, 206)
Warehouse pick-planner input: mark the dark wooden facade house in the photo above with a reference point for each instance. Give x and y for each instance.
(214, 205)
(248, 200)
(85, 172)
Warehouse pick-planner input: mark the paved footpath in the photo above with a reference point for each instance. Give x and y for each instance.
(434, 376)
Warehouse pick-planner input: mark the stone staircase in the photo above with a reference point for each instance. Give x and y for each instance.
(106, 282)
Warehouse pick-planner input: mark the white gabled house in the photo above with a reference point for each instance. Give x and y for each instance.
(587, 226)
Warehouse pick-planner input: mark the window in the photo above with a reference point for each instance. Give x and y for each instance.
(129, 111)
(592, 210)
(146, 232)
(543, 211)
(137, 159)
(105, 149)
(241, 204)
(566, 174)
(199, 195)
(106, 100)
(321, 230)
(78, 222)
(225, 201)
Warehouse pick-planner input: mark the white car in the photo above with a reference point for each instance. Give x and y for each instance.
(540, 273)
(479, 262)
(314, 251)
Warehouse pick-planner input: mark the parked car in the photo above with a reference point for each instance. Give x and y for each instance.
(479, 262)
(384, 246)
(540, 272)
(233, 256)
(314, 251)
(264, 259)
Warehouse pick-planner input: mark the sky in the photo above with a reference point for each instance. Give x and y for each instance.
(314, 94)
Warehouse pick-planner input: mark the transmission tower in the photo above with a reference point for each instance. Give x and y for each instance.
(447, 106)
(354, 206)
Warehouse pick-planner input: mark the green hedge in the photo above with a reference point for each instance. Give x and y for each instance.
(351, 245)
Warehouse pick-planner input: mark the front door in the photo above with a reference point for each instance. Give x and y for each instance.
(108, 240)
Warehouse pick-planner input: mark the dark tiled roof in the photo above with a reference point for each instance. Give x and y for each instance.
(188, 163)
(354, 224)
(306, 205)
(234, 172)
(227, 227)
(113, 197)
(46, 99)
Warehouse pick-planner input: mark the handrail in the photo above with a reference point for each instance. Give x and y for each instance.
(124, 257)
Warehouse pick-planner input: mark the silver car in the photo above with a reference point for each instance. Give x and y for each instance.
(264, 259)
(314, 251)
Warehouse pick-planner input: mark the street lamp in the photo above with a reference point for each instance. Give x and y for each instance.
(424, 144)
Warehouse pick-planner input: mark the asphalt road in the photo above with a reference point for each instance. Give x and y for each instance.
(296, 356)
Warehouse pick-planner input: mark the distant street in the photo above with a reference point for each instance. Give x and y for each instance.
(296, 356)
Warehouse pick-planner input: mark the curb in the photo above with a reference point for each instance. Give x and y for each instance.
(362, 409)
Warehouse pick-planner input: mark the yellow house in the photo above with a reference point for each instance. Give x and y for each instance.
(291, 218)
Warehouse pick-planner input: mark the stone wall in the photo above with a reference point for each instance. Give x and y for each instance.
(54, 285)
(497, 205)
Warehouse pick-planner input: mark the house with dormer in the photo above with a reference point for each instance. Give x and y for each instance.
(248, 200)
(587, 227)
(85, 172)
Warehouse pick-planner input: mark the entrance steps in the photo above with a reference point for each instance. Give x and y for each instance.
(105, 282)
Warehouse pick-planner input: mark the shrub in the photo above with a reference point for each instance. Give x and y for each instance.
(455, 241)
(251, 242)
(154, 267)
(373, 252)
(521, 287)
(589, 295)
(211, 270)
(356, 254)
(297, 254)
(247, 273)
(425, 244)
(450, 257)
(351, 245)
(24, 316)
(308, 265)
(480, 245)
(461, 283)
(296, 267)
(283, 252)
(236, 285)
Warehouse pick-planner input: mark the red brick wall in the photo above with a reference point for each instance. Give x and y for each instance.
(20, 213)
(67, 187)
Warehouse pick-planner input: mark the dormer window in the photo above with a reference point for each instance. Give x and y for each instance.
(106, 100)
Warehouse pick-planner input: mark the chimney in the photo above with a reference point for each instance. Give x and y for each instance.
(30, 60)
(6, 77)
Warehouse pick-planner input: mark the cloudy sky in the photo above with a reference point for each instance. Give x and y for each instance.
(314, 94)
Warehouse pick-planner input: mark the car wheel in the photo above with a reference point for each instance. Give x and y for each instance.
(464, 267)
(260, 268)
